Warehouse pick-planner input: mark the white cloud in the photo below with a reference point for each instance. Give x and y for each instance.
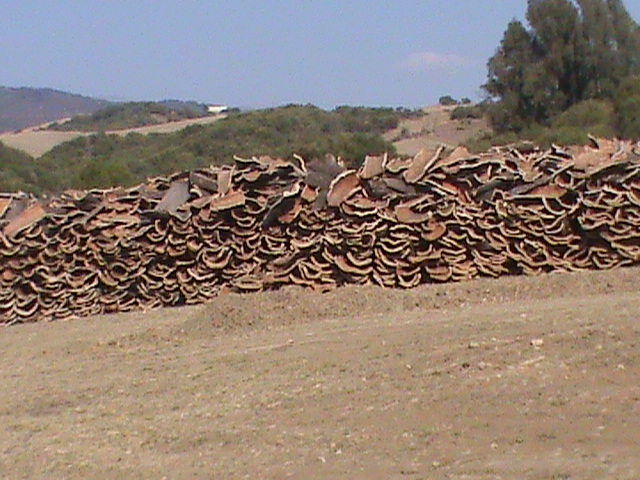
(432, 61)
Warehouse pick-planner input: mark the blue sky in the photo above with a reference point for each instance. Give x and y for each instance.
(256, 53)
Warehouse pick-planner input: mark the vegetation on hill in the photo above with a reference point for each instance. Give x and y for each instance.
(449, 101)
(25, 107)
(572, 127)
(466, 111)
(574, 52)
(185, 104)
(627, 108)
(104, 160)
(130, 115)
(17, 170)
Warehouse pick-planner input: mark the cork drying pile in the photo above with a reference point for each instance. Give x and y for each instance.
(263, 223)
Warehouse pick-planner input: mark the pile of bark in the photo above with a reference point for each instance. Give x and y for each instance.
(263, 223)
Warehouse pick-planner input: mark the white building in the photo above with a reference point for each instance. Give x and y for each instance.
(217, 109)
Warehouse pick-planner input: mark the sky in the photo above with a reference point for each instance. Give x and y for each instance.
(254, 54)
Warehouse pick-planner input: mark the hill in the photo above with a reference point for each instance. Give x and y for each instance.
(24, 107)
(36, 141)
(424, 128)
(436, 125)
(132, 115)
(105, 160)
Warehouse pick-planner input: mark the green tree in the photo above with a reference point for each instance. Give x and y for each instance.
(507, 79)
(572, 51)
(612, 47)
(627, 108)
(559, 44)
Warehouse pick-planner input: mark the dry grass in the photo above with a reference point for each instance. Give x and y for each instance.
(37, 141)
(434, 129)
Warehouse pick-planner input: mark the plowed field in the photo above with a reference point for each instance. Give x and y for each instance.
(535, 378)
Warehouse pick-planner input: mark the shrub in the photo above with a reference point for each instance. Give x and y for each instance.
(564, 135)
(447, 101)
(588, 114)
(129, 115)
(485, 141)
(572, 127)
(463, 112)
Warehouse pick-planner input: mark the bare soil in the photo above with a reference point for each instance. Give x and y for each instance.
(535, 378)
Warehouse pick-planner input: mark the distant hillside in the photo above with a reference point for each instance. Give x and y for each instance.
(106, 160)
(127, 115)
(437, 125)
(25, 107)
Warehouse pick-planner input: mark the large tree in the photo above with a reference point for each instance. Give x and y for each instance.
(570, 52)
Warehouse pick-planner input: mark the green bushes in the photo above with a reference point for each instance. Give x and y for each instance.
(128, 115)
(468, 112)
(588, 114)
(572, 127)
(367, 120)
(447, 101)
(106, 160)
(17, 170)
(595, 117)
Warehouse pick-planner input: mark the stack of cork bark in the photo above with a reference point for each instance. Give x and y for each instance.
(263, 223)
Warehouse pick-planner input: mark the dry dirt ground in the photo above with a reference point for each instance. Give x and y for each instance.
(516, 378)
(434, 129)
(37, 141)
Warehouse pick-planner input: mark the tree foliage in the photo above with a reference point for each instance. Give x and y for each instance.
(627, 107)
(467, 112)
(447, 101)
(571, 51)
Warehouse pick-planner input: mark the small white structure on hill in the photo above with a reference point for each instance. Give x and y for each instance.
(217, 109)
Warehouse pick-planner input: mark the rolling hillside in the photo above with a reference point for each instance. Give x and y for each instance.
(25, 107)
(126, 115)
(105, 160)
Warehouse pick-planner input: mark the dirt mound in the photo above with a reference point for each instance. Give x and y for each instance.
(295, 305)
